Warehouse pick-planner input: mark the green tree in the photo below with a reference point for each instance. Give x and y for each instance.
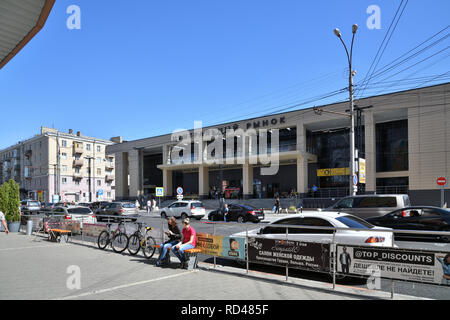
(10, 200)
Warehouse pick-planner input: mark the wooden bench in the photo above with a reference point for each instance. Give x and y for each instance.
(59, 235)
(189, 253)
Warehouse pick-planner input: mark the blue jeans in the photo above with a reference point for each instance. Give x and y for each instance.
(165, 247)
(180, 253)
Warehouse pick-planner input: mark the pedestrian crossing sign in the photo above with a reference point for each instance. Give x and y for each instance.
(160, 192)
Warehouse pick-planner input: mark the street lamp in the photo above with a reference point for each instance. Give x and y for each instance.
(337, 32)
(90, 177)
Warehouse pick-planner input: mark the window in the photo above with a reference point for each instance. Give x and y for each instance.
(99, 160)
(108, 194)
(64, 156)
(99, 149)
(99, 183)
(63, 143)
(392, 146)
(64, 180)
(377, 202)
(80, 210)
(88, 147)
(99, 172)
(344, 203)
(77, 170)
(313, 222)
(64, 168)
(354, 222)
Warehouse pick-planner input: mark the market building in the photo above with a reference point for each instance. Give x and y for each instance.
(404, 138)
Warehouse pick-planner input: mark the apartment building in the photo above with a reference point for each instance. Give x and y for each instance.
(60, 166)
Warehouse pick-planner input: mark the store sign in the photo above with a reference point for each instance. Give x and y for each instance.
(256, 124)
(220, 246)
(293, 254)
(409, 265)
(362, 170)
(333, 172)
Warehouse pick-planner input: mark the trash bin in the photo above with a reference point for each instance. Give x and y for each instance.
(29, 227)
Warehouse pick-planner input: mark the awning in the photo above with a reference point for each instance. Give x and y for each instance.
(20, 21)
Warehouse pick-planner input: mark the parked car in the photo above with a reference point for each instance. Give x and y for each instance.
(184, 209)
(371, 235)
(117, 209)
(238, 212)
(375, 205)
(47, 206)
(75, 213)
(420, 218)
(30, 207)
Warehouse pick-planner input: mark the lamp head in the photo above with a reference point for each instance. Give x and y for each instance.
(354, 28)
(337, 32)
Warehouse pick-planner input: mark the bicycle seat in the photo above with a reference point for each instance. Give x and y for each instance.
(149, 228)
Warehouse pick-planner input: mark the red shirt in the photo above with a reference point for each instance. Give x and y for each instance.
(187, 235)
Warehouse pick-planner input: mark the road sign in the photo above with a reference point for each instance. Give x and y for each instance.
(441, 181)
(314, 188)
(159, 191)
(180, 190)
(180, 197)
(100, 192)
(355, 179)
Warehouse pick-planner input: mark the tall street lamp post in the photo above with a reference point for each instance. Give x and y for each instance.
(353, 187)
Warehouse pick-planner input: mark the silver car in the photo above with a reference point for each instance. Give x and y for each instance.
(184, 209)
(373, 205)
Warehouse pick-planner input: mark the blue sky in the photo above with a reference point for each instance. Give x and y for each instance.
(141, 68)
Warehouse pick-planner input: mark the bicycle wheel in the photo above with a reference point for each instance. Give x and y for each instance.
(134, 244)
(119, 242)
(103, 240)
(149, 247)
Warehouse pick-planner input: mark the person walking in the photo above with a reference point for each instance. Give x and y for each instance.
(225, 211)
(188, 241)
(277, 205)
(149, 205)
(174, 235)
(153, 204)
(3, 220)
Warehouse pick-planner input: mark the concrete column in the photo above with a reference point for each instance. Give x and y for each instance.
(136, 173)
(247, 183)
(167, 182)
(302, 174)
(370, 156)
(203, 182)
(301, 138)
(121, 178)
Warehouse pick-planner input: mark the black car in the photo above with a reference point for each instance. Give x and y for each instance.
(238, 212)
(423, 218)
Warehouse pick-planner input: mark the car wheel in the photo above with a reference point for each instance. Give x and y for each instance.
(163, 215)
(240, 219)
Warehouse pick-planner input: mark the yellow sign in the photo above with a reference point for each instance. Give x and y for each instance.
(362, 170)
(211, 244)
(333, 172)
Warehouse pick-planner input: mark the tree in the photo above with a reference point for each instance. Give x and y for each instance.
(10, 200)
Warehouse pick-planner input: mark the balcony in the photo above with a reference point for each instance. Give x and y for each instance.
(109, 177)
(77, 175)
(78, 163)
(109, 166)
(77, 149)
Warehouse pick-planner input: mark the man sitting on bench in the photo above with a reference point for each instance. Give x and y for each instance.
(174, 235)
(188, 241)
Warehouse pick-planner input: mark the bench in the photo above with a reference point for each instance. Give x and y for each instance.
(189, 253)
(59, 235)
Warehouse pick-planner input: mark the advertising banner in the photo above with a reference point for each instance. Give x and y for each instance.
(409, 265)
(220, 246)
(294, 254)
(93, 230)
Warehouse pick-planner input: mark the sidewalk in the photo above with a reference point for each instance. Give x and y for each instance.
(39, 269)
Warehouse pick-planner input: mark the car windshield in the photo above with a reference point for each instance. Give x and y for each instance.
(33, 204)
(129, 205)
(79, 210)
(355, 222)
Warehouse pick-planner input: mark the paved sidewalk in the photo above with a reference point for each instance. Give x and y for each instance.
(34, 268)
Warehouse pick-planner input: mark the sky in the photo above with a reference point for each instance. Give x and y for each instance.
(143, 68)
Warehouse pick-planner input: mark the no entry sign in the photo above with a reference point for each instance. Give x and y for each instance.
(441, 181)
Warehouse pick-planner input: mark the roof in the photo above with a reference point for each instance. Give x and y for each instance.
(20, 21)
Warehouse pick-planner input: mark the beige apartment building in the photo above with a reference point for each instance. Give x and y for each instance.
(60, 166)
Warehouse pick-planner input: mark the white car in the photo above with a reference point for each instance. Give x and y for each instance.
(76, 213)
(370, 235)
(184, 209)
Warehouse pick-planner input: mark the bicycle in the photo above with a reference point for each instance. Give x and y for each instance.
(140, 240)
(117, 238)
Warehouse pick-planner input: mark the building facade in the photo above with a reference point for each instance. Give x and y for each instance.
(404, 138)
(60, 166)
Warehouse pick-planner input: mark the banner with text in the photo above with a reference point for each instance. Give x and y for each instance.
(409, 265)
(220, 246)
(294, 254)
